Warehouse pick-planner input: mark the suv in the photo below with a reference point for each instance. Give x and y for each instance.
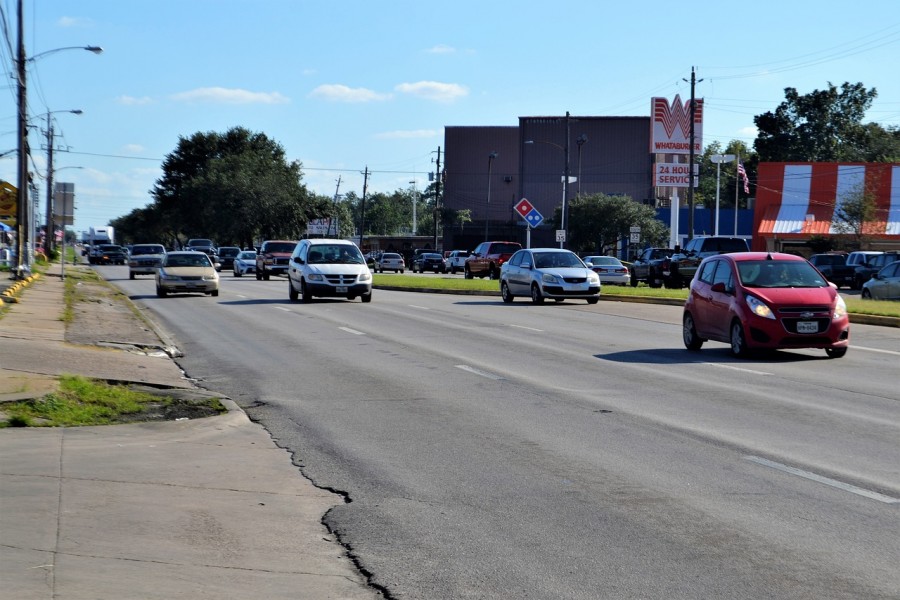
(456, 260)
(145, 259)
(488, 257)
(679, 270)
(272, 258)
(330, 269)
(201, 244)
(648, 266)
(226, 255)
(110, 254)
(835, 268)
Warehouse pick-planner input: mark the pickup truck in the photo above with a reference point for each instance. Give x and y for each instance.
(456, 260)
(680, 269)
(648, 266)
(835, 268)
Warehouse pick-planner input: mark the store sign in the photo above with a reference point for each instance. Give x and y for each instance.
(674, 175)
(671, 126)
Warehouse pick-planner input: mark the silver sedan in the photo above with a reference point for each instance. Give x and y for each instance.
(609, 268)
(553, 273)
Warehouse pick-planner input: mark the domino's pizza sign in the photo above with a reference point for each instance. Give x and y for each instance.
(528, 212)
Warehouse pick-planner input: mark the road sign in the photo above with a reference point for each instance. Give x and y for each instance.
(560, 235)
(523, 207)
(635, 238)
(534, 218)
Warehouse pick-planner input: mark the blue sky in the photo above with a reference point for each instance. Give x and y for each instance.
(346, 84)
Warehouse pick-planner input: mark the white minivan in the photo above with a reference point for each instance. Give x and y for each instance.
(328, 269)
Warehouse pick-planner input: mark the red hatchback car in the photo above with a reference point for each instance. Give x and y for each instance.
(759, 300)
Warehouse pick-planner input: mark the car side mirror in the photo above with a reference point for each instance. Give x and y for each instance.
(720, 288)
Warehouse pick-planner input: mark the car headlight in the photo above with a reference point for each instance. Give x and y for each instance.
(166, 276)
(759, 308)
(365, 276)
(593, 278)
(316, 277)
(840, 308)
(210, 277)
(549, 278)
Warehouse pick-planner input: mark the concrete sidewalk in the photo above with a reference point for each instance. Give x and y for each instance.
(206, 508)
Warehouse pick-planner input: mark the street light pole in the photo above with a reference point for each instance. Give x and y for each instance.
(565, 202)
(719, 159)
(487, 211)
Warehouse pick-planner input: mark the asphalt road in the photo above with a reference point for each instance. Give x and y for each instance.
(564, 450)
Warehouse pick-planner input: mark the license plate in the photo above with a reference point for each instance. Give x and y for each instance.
(807, 327)
(341, 289)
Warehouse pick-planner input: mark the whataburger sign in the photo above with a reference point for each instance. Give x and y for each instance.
(671, 126)
(8, 203)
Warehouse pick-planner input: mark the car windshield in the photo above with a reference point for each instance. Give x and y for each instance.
(549, 260)
(504, 248)
(228, 251)
(779, 274)
(344, 254)
(602, 260)
(247, 255)
(194, 259)
(138, 250)
(281, 247)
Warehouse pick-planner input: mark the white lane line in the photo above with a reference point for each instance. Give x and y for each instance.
(419, 307)
(875, 350)
(240, 295)
(283, 308)
(480, 373)
(353, 331)
(528, 328)
(826, 480)
(743, 370)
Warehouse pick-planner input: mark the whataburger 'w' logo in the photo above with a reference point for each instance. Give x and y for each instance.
(672, 125)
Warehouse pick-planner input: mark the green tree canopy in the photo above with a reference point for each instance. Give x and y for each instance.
(824, 125)
(599, 221)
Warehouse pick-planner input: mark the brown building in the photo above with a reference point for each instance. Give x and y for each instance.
(609, 155)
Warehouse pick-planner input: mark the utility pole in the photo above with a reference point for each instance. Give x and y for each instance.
(49, 238)
(565, 203)
(22, 259)
(437, 198)
(362, 219)
(334, 212)
(691, 160)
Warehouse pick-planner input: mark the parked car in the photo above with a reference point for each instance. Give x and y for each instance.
(244, 262)
(429, 261)
(884, 285)
(110, 254)
(226, 256)
(328, 268)
(456, 260)
(758, 300)
(609, 268)
(272, 258)
(859, 258)
(648, 266)
(553, 273)
(679, 270)
(487, 259)
(390, 261)
(198, 243)
(187, 271)
(875, 263)
(835, 268)
(145, 259)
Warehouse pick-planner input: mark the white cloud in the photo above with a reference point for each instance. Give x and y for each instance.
(749, 131)
(434, 90)
(406, 135)
(133, 148)
(74, 22)
(441, 49)
(342, 93)
(132, 101)
(219, 95)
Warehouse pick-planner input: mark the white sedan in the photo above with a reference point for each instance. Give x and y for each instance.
(244, 262)
(185, 273)
(609, 268)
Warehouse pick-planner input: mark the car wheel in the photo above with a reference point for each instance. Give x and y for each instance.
(634, 280)
(131, 276)
(160, 293)
(237, 273)
(401, 271)
(593, 300)
(214, 293)
(304, 293)
(866, 294)
(692, 341)
(453, 270)
(505, 293)
(537, 297)
(835, 352)
(258, 275)
(292, 293)
(265, 275)
(654, 282)
(738, 340)
(366, 297)
(493, 272)
(468, 273)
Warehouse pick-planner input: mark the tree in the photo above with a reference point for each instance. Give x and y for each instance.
(599, 221)
(855, 215)
(824, 125)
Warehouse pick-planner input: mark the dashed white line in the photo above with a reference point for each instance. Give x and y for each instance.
(283, 308)
(528, 328)
(480, 373)
(826, 480)
(353, 331)
(419, 307)
(875, 350)
(743, 370)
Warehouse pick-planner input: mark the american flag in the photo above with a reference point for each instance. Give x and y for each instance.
(742, 173)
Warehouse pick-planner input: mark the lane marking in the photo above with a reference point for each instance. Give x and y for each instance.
(283, 308)
(875, 350)
(480, 373)
(743, 370)
(419, 307)
(528, 328)
(826, 480)
(353, 331)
